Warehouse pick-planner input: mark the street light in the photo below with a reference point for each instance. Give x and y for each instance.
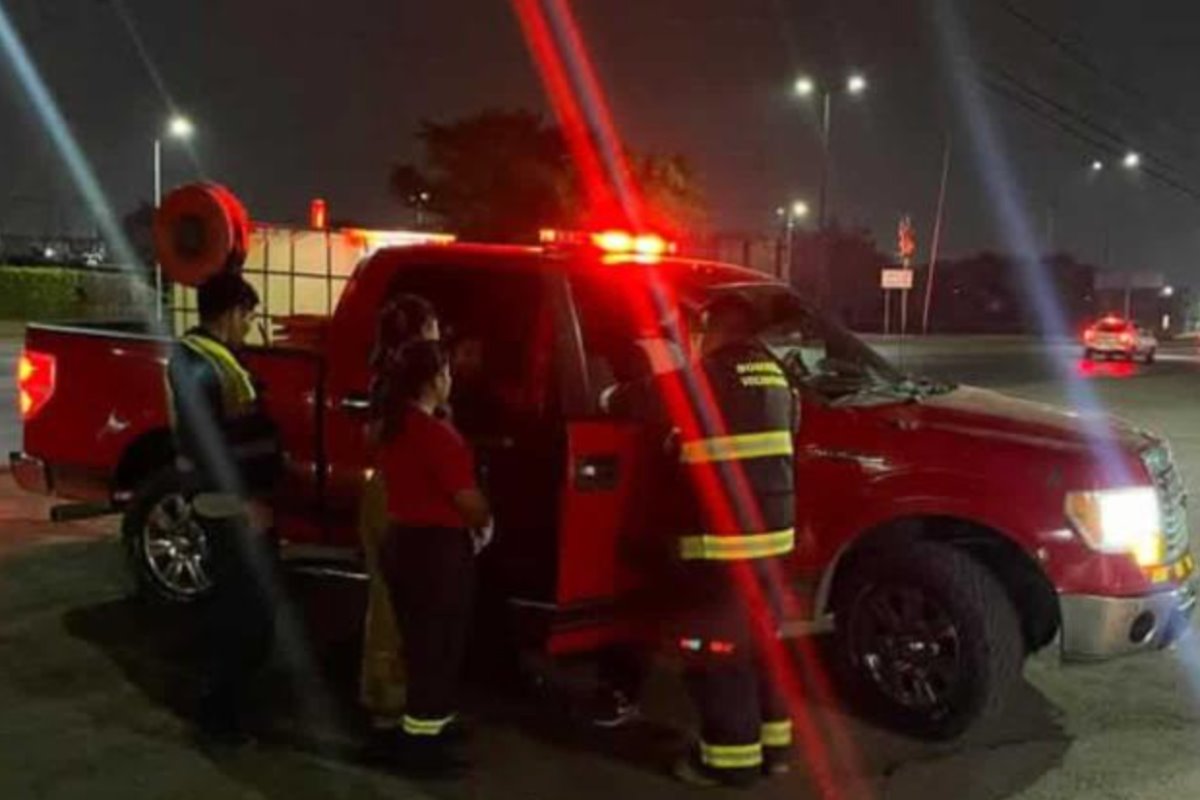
(806, 87)
(790, 217)
(181, 129)
(1130, 162)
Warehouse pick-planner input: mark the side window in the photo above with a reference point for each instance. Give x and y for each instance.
(617, 348)
(498, 328)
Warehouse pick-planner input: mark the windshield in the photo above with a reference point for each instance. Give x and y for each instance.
(822, 356)
(815, 348)
(818, 354)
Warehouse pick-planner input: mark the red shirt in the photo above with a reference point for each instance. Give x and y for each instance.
(424, 465)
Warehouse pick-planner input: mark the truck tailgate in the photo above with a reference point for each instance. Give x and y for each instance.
(107, 389)
(108, 397)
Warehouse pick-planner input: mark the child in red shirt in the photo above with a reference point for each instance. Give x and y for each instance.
(403, 318)
(438, 520)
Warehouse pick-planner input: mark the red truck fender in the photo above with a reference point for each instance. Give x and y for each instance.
(900, 505)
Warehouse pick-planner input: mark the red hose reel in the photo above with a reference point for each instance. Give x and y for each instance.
(200, 230)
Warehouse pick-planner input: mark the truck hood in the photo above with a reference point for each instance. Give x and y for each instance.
(991, 415)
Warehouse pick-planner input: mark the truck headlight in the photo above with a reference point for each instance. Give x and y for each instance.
(1120, 521)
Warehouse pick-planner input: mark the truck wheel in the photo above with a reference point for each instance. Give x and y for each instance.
(927, 639)
(1150, 355)
(166, 548)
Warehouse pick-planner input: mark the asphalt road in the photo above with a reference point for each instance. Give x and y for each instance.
(93, 687)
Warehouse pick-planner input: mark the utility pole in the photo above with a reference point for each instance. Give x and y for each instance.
(936, 241)
(158, 276)
(826, 122)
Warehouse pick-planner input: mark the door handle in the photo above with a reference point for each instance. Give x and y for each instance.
(355, 403)
(494, 443)
(597, 473)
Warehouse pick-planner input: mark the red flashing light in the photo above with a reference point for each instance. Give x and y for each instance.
(650, 245)
(614, 241)
(626, 243)
(36, 376)
(611, 242)
(317, 214)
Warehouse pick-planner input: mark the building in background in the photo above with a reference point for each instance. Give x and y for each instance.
(754, 250)
(300, 272)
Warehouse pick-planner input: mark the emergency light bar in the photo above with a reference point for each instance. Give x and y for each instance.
(610, 242)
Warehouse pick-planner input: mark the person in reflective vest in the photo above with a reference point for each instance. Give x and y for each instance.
(730, 418)
(228, 454)
(222, 435)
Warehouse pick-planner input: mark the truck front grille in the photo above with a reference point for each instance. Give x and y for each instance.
(1172, 497)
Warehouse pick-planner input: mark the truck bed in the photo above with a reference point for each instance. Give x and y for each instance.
(105, 428)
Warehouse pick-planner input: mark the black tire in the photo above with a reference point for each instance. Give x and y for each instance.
(961, 657)
(158, 532)
(1151, 354)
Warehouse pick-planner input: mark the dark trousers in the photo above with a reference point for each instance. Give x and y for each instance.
(744, 717)
(238, 623)
(727, 652)
(431, 576)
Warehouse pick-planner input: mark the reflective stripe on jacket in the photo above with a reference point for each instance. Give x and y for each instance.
(748, 455)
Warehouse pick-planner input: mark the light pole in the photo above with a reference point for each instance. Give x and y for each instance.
(181, 129)
(1130, 162)
(790, 216)
(805, 88)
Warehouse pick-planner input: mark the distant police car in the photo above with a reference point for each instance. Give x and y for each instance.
(1115, 337)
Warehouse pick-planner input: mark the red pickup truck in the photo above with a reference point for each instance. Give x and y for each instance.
(944, 533)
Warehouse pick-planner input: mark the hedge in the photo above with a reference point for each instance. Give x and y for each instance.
(61, 293)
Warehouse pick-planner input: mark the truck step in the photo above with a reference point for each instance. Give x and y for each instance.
(72, 512)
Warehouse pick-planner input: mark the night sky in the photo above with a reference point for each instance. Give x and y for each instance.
(296, 99)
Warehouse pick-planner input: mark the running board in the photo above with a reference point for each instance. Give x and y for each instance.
(323, 561)
(73, 512)
(796, 628)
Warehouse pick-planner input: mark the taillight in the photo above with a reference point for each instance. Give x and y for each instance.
(35, 382)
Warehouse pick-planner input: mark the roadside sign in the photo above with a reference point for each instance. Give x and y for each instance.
(896, 279)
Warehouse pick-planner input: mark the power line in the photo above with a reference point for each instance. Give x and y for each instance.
(1080, 117)
(1096, 128)
(1038, 110)
(1077, 53)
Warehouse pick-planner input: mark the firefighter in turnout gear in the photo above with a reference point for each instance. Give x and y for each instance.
(732, 468)
(228, 453)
